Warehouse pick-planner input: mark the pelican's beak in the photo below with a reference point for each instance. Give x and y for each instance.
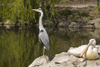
(85, 50)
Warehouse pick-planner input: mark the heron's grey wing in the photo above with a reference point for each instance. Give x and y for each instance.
(44, 39)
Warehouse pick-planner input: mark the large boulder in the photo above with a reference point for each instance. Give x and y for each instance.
(41, 61)
(95, 33)
(95, 22)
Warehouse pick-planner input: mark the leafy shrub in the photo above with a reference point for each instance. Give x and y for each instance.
(84, 14)
(66, 13)
(91, 18)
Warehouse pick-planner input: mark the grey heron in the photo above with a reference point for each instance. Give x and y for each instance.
(43, 36)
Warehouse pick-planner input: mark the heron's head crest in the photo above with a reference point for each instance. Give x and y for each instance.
(40, 9)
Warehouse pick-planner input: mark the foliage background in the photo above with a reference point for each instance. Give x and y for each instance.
(16, 10)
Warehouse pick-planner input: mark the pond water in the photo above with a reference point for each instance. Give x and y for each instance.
(19, 47)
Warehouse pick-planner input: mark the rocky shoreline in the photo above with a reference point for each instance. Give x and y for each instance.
(91, 24)
(65, 59)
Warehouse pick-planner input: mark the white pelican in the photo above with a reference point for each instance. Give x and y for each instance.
(91, 53)
(87, 51)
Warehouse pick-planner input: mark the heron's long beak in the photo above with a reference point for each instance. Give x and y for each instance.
(34, 9)
(85, 50)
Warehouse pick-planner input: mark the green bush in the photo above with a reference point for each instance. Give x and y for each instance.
(91, 18)
(15, 10)
(66, 13)
(84, 14)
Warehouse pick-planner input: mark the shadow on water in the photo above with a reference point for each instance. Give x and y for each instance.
(18, 48)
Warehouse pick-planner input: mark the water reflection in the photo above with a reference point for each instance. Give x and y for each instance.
(18, 48)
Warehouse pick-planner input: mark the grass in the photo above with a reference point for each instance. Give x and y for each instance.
(91, 18)
(91, 6)
(85, 64)
(67, 2)
(62, 2)
(71, 0)
(66, 13)
(73, 44)
(84, 14)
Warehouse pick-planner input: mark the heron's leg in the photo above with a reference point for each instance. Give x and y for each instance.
(43, 50)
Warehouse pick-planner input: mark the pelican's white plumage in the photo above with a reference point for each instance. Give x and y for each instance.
(77, 50)
(91, 53)
(87, 51)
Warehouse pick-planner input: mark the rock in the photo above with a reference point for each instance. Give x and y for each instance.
(97, 24)
(93, 63)
(0, 23)
(62, 29)
(51, 64)
(72, 24)
(74, 60)
(94, 21)
(64, 60)
(7, 22)
(60, 58)
(83, 64)
(74, 29)
(75, 25)
(63, 24)
(88, 26)
(40, 61)
(64, 64)
(9, 26)
(95, 33)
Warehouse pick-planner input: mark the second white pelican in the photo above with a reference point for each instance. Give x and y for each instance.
(87, 51)
(90, 51)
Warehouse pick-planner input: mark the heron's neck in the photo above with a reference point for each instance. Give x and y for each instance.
(40, 21)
